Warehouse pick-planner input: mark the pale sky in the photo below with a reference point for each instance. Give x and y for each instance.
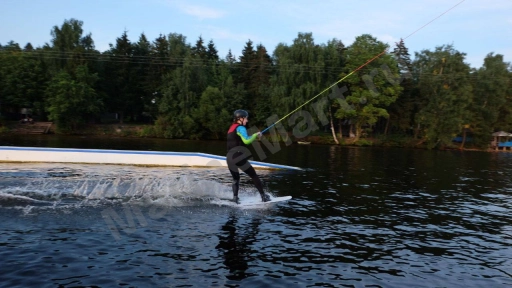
(475, 27)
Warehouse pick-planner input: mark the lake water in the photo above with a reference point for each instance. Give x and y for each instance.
(359, 217)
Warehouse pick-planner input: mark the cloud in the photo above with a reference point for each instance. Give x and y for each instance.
(507, 53)
(222, 33)
(386, 38)
(219, 33)
(500, 5)
(202, 12)
(227, 39)
(199, 11)
(347, 29)
(475, 61)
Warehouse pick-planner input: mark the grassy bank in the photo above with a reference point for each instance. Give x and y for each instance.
(317, 137)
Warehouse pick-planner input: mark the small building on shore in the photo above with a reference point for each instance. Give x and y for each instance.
(501, 141)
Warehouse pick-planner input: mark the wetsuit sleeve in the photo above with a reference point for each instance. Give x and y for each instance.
(242, 132)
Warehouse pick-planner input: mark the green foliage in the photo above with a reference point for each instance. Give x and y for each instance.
(3, 127)
(505, 117)
(72, 100)
(163, 127)
(190, 92)
(446, 88)
(69, 48)
(395, 140)
(148, 131)
(181, 97)
(23, 78)
(123, 78)
(301, 73)
(363, 142)
(490, 98)
(211, 113)
(402, 111)
(252, 76)
(371, 91)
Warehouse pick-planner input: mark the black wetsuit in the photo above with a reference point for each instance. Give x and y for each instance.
(237, 158)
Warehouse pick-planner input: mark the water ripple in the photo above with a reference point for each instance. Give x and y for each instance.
(365, 218)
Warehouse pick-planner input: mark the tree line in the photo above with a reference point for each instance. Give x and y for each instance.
(188, 91)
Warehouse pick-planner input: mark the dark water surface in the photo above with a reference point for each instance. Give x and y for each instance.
(359, 217)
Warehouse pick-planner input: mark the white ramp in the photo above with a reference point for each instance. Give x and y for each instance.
(122, 157)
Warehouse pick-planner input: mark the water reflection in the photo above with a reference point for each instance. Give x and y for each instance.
(235, 245)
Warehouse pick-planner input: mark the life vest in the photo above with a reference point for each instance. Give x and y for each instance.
(233, 139)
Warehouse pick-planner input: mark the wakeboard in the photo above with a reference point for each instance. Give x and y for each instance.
(252, 202)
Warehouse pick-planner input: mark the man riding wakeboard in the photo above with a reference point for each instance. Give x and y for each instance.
(236, 158)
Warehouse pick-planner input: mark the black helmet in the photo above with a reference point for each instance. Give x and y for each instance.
(240, 114)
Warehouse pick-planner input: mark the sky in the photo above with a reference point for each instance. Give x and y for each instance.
(474, 27)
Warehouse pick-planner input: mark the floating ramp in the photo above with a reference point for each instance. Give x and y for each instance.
(121, 157)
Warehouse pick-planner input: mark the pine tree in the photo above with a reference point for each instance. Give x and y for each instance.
(212, 63)
(211, 52)
(402, 111)
(230, 58)
(23, 79)
(199, 51)
(28, 47)
(260, 81)
(246, 67)
(145, 88)
(121, 80)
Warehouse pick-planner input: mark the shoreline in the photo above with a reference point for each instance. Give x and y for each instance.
(139, 131)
